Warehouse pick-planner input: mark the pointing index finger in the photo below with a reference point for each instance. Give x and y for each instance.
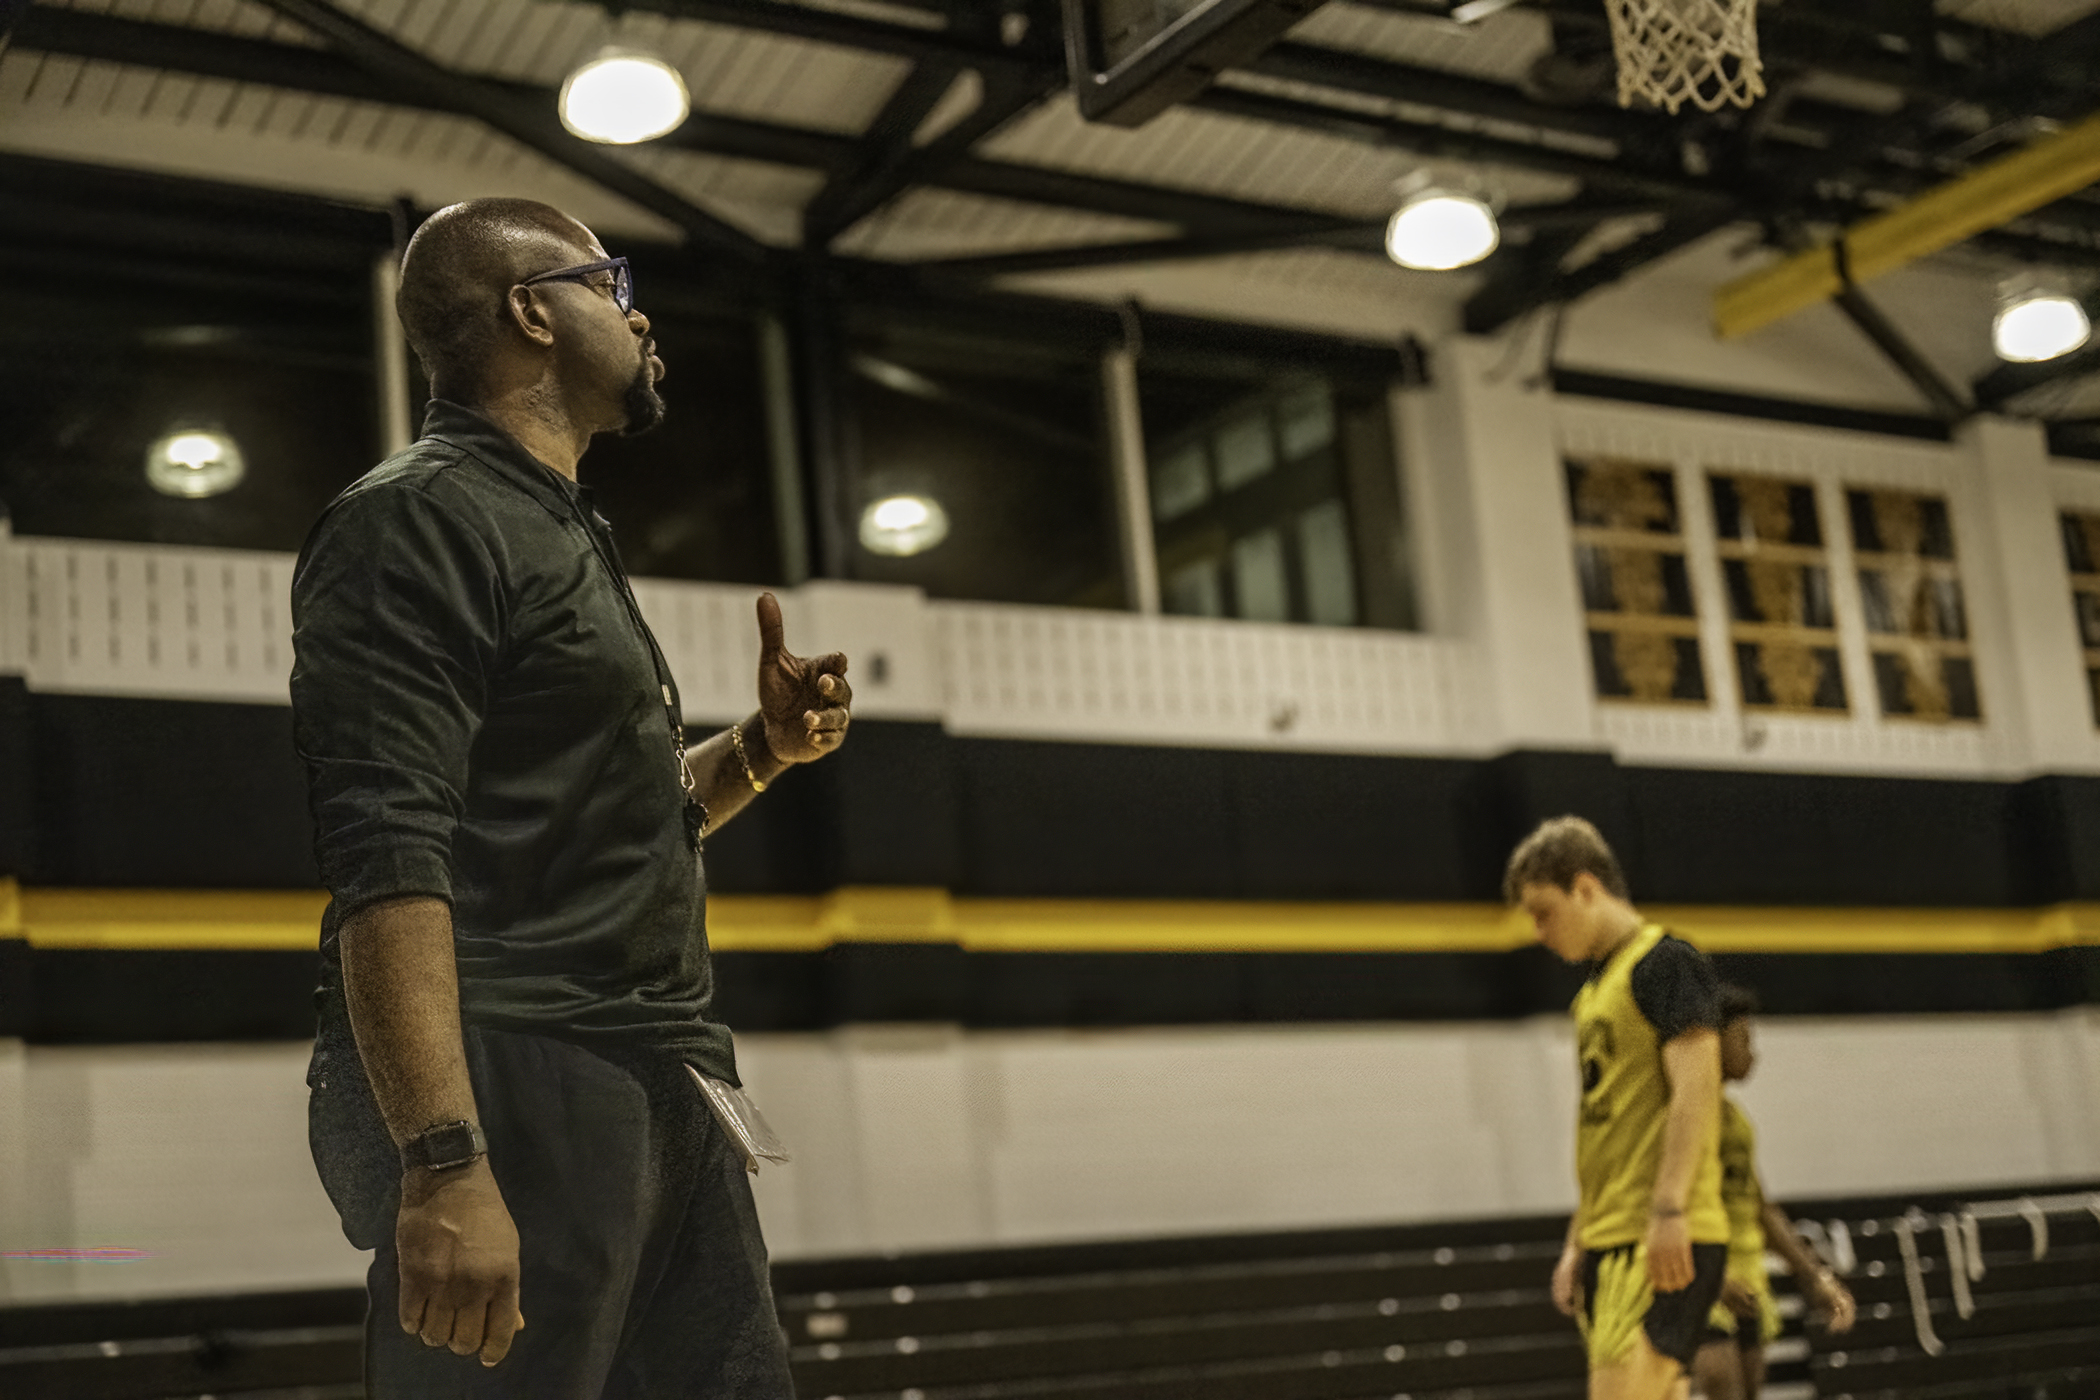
(771, 632)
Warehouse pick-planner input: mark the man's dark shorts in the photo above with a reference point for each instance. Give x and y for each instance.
(1617, 1297)
(642, 1269)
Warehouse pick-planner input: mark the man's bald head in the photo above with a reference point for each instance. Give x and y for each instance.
(457, 274)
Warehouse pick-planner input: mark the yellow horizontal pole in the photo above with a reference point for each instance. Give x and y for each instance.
(290, 921)
(1985, 198)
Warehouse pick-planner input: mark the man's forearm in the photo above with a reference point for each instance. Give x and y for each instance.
(1693, 1063)
(1781, 1235)
(401, 984)
(719, 780)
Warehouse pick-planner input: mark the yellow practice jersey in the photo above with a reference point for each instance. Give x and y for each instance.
(1744, 1201)
(1741, 1196)
(1652, 990)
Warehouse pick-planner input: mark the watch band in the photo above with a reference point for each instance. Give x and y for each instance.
(443, 1146)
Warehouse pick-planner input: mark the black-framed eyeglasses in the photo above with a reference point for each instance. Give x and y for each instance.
(622, 284)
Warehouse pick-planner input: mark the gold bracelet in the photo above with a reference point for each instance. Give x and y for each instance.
(736, 739)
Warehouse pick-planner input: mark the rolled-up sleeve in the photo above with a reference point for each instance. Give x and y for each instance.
(397, 627)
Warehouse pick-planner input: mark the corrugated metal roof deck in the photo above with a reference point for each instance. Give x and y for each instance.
(127, 115)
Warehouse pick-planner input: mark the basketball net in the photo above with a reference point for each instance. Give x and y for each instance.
(1672, 52)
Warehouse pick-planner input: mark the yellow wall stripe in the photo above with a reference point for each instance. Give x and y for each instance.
(261, 919)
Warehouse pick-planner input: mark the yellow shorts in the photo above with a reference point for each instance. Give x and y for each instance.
(1746, 1332)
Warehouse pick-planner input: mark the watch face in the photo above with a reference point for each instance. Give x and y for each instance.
(447, 1145)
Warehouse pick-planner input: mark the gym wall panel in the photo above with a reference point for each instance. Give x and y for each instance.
(936, 1137)
(125, 792)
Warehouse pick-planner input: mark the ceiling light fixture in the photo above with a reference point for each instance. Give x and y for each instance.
(194, 462)
(903, 525)
(623, 96)
(2039, 327)
(1438, 230)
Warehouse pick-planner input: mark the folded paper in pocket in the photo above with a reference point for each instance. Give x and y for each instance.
(741, 1119)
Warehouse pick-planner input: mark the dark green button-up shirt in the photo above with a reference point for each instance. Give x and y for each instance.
(483, 719)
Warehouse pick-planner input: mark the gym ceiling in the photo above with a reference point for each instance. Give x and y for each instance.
(938, 141)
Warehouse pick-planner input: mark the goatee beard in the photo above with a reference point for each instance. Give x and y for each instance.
(645, 407)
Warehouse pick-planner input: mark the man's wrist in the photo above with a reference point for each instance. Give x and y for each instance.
(758, 744)
(444, 1147)
(1662, 1210)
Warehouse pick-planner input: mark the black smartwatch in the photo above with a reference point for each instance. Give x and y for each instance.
(446, 1145)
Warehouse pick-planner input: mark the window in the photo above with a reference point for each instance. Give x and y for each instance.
(1275, 495)
(87, 386)
(91, 375)
(1778, 579)
(2081, 532)
(694, 498)
(1910, 589)
(1636, 593)
(1006, 437)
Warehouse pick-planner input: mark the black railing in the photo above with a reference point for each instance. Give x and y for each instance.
(1425, 1311)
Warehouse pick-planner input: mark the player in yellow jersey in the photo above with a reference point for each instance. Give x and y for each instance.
(1731, 1364)
(1649, 1240)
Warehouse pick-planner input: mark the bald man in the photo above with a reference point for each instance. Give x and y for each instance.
(514, 1002)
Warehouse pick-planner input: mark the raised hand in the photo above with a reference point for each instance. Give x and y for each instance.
(806, 703)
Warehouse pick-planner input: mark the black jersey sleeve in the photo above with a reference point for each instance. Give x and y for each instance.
(1677, 989)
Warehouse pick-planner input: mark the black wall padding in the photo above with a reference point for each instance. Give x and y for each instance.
(143, 996)
(166, 794)
(159, 793)
(17, 776)
(1766, 838)
(57, 996)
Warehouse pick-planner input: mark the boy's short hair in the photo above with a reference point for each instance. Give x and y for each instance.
(1737, 1003)
(1556, 853)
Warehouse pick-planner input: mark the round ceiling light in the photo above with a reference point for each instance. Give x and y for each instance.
(1437, 231)
(2040, 328)
(621, 97)
(195, 462)
(902, 525)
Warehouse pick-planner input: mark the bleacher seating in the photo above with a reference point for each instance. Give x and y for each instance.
(2034, 1333)
(1430, 1312)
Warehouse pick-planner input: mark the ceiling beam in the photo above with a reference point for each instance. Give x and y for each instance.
(893, 158)
(843, 200)
(1431, 141)
(963, 46)
(11, 12)
(1351, 235)
(209, 54)
(1354, 234)
(1503, 300)
(1896, 347)
(203, 54)
(902, 164)
(1781, 192)
(1451, 92)
(1984, 198)
(404, 70)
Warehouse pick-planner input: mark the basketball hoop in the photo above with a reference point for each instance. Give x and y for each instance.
(1672, 52)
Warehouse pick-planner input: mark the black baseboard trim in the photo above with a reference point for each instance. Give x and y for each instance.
(58, 996)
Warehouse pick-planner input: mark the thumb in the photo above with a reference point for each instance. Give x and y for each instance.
(771, 633)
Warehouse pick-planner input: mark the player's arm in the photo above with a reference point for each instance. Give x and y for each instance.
(1825, 1293)
(1692, 1064)
(1567, 1274)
